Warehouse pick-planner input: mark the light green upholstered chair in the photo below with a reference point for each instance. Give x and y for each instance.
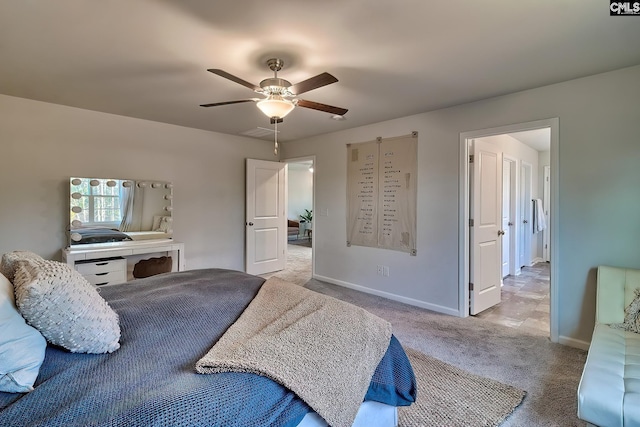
(609, 391)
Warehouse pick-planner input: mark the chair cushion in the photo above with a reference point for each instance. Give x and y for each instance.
(616, 290)
(609, 391)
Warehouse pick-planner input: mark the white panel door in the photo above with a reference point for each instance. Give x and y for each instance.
(486, 232)
(266, 227)
(506, 216)
(525, 215)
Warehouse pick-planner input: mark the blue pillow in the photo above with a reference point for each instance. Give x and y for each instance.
(21, 346)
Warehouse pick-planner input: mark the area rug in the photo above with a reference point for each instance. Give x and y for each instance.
(303, 241)
(449, 396)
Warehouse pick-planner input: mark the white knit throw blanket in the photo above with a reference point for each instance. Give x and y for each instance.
(323, 349)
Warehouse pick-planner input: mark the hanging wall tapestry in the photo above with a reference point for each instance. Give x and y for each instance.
(382, 192)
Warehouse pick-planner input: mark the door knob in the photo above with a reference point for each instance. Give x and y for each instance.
(500, 233)
(250, 224)
(509, 223)
(525, 221)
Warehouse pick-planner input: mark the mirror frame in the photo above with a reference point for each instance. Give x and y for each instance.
(149, 208)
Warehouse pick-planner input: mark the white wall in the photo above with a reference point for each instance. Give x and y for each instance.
(42, 145)
(300, 190)
(599, 192)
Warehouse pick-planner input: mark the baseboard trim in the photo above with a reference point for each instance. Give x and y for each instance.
(572, 342)
(387, 295)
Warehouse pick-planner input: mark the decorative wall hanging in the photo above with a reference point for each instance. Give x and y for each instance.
(382, 193)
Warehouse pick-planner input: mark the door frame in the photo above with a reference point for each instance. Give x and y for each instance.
(463, 213)
(313, 204)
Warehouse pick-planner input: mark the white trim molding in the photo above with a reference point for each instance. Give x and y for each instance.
(572, 342)
(387, 295)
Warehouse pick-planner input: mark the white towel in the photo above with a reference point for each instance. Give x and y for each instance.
(541, 223)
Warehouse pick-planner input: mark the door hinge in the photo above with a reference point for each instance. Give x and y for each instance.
(470, 222)
(471, 158)
(470, 286)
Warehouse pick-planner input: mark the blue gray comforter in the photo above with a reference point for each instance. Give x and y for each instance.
(168, 323)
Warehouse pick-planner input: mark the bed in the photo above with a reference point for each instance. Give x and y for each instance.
(168, 322)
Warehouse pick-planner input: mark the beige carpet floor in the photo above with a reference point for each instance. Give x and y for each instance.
(298, 268)
(449, 396)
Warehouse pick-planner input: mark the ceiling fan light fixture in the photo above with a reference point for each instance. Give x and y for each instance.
(275, 106)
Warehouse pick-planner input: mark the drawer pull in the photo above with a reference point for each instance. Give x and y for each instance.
(102, 274)
(102, 263)
(102, 284)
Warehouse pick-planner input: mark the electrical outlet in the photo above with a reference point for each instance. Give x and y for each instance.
(379, 268)
(385, 270)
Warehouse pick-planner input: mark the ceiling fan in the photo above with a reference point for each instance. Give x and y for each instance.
(280, 94)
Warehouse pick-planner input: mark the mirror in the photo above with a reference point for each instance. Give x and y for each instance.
(105, 210)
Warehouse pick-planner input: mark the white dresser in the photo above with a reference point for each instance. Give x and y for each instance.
(106, 263)
(106, 271)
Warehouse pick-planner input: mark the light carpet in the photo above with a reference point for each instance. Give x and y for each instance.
(449, 396)
(298, 269)
(304, 241)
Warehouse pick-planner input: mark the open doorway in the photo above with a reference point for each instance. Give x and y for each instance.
(300, 225)
(512, 230)
(525, 290)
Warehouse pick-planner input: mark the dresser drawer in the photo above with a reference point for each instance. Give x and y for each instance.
(102, 266)
(108, 278)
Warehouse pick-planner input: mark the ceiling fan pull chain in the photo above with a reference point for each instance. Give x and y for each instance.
(275, 145)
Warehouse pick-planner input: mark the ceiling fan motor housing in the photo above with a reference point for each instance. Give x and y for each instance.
(276, 86)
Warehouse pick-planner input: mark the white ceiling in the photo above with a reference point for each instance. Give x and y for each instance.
(538, 139)
(148, 58)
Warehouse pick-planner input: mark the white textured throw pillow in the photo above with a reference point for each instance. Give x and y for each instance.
(65, 308)
(21, 346)
(10, 261)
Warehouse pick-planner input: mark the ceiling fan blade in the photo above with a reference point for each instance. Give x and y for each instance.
(322, 107)
(215, 104)
(313, 83)
(233, 78)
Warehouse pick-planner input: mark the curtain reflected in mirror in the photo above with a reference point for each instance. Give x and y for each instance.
(106, 210)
